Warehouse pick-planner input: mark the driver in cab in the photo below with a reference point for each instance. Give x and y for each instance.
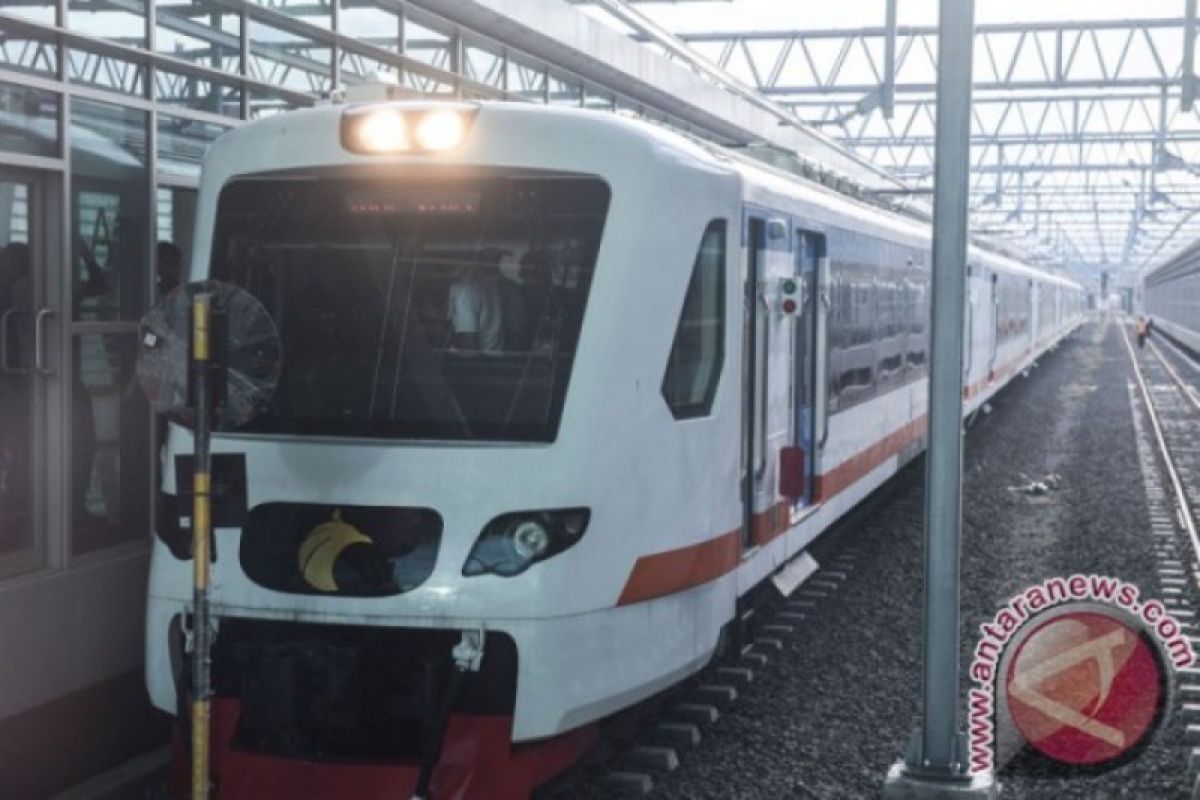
(475, 306)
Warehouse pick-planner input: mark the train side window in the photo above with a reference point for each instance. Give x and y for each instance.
(698, 351)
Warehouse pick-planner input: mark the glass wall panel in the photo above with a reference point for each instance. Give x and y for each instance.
(365, 66)
(106, 72)
(28, 120)
(18, 537)
(110, 436)
(314, 12)
(265, 104)
(28, 54)
(191, 91)
(175, 210)
(282, 58)
(378, 26)
(421, 83)
(527, 80)
(564, 92)
(483, 66)
(110, 206)
(110, 422)
(182, 144)
(122, 21)
(427, 45)
(44, 12)
(595, 99)
(198, 31)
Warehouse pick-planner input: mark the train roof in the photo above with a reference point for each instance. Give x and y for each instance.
(1184, 261)
(759, 177)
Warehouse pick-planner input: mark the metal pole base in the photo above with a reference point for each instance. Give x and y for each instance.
(903, 784)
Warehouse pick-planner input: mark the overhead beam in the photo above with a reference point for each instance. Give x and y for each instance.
(1189, 56)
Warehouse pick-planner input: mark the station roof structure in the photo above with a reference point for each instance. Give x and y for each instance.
(1086, 144)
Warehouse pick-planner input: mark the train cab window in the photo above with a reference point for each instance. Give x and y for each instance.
(697, 354)
(417, 309)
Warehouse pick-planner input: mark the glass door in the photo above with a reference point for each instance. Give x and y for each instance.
(29, 388)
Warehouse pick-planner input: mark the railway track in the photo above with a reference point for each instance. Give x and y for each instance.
(1168, 384)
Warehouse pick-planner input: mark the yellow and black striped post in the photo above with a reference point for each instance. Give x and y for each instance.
(201, 530)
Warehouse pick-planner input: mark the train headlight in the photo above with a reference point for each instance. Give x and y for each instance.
(380, 130)
(440, 130)
(511, 543)
(530, 539)
(399, 128)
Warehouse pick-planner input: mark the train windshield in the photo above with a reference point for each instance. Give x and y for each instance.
(445, 310)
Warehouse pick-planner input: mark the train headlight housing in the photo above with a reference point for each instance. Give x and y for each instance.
(440, 130)
(379, 130)
(397, 129)
(511, 543)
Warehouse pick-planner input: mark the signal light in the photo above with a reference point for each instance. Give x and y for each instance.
(789, 296)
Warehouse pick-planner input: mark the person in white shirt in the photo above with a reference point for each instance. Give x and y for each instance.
(475, 308)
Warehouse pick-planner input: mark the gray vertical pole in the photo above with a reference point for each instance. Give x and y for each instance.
(943, 477)
(1189, 56)
(937, 760)
(888, 101)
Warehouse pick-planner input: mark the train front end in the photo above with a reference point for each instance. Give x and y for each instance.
(425, 488)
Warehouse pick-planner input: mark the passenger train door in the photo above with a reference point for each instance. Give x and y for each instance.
(807, 429)
(767, 366)
(754, 375)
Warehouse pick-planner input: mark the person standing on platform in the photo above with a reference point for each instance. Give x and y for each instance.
(1141, 329)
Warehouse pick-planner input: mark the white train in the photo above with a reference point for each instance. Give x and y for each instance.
(559, 385)
(1171, 297)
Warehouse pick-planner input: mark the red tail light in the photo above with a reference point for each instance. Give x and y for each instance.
(791, 472)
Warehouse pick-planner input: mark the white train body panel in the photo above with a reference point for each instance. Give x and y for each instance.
(654, 485)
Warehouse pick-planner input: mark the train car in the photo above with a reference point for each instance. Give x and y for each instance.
(560, 389)
(1171, 297)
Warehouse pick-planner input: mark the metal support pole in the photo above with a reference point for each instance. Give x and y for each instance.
(936, 764)
(1189, 56)
(201, 518)
(887, 101)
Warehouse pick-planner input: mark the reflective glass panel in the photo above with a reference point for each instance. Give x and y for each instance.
(201, 32)
(38, 12)
(28, 120)
(110, 444)
(282, 58)
(527, 80)
(483, 66)
(123, 21)
(191, 91)
(427, 45)
(314, 12)
(175, 210)
(381, 27)
(18, 387)
(28, 54)
(106, 72)
(110, 210)
(417, 310)
(563, 92)
(182, 144)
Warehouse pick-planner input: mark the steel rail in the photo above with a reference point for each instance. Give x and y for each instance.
(1181, 497)
(1188, 389)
